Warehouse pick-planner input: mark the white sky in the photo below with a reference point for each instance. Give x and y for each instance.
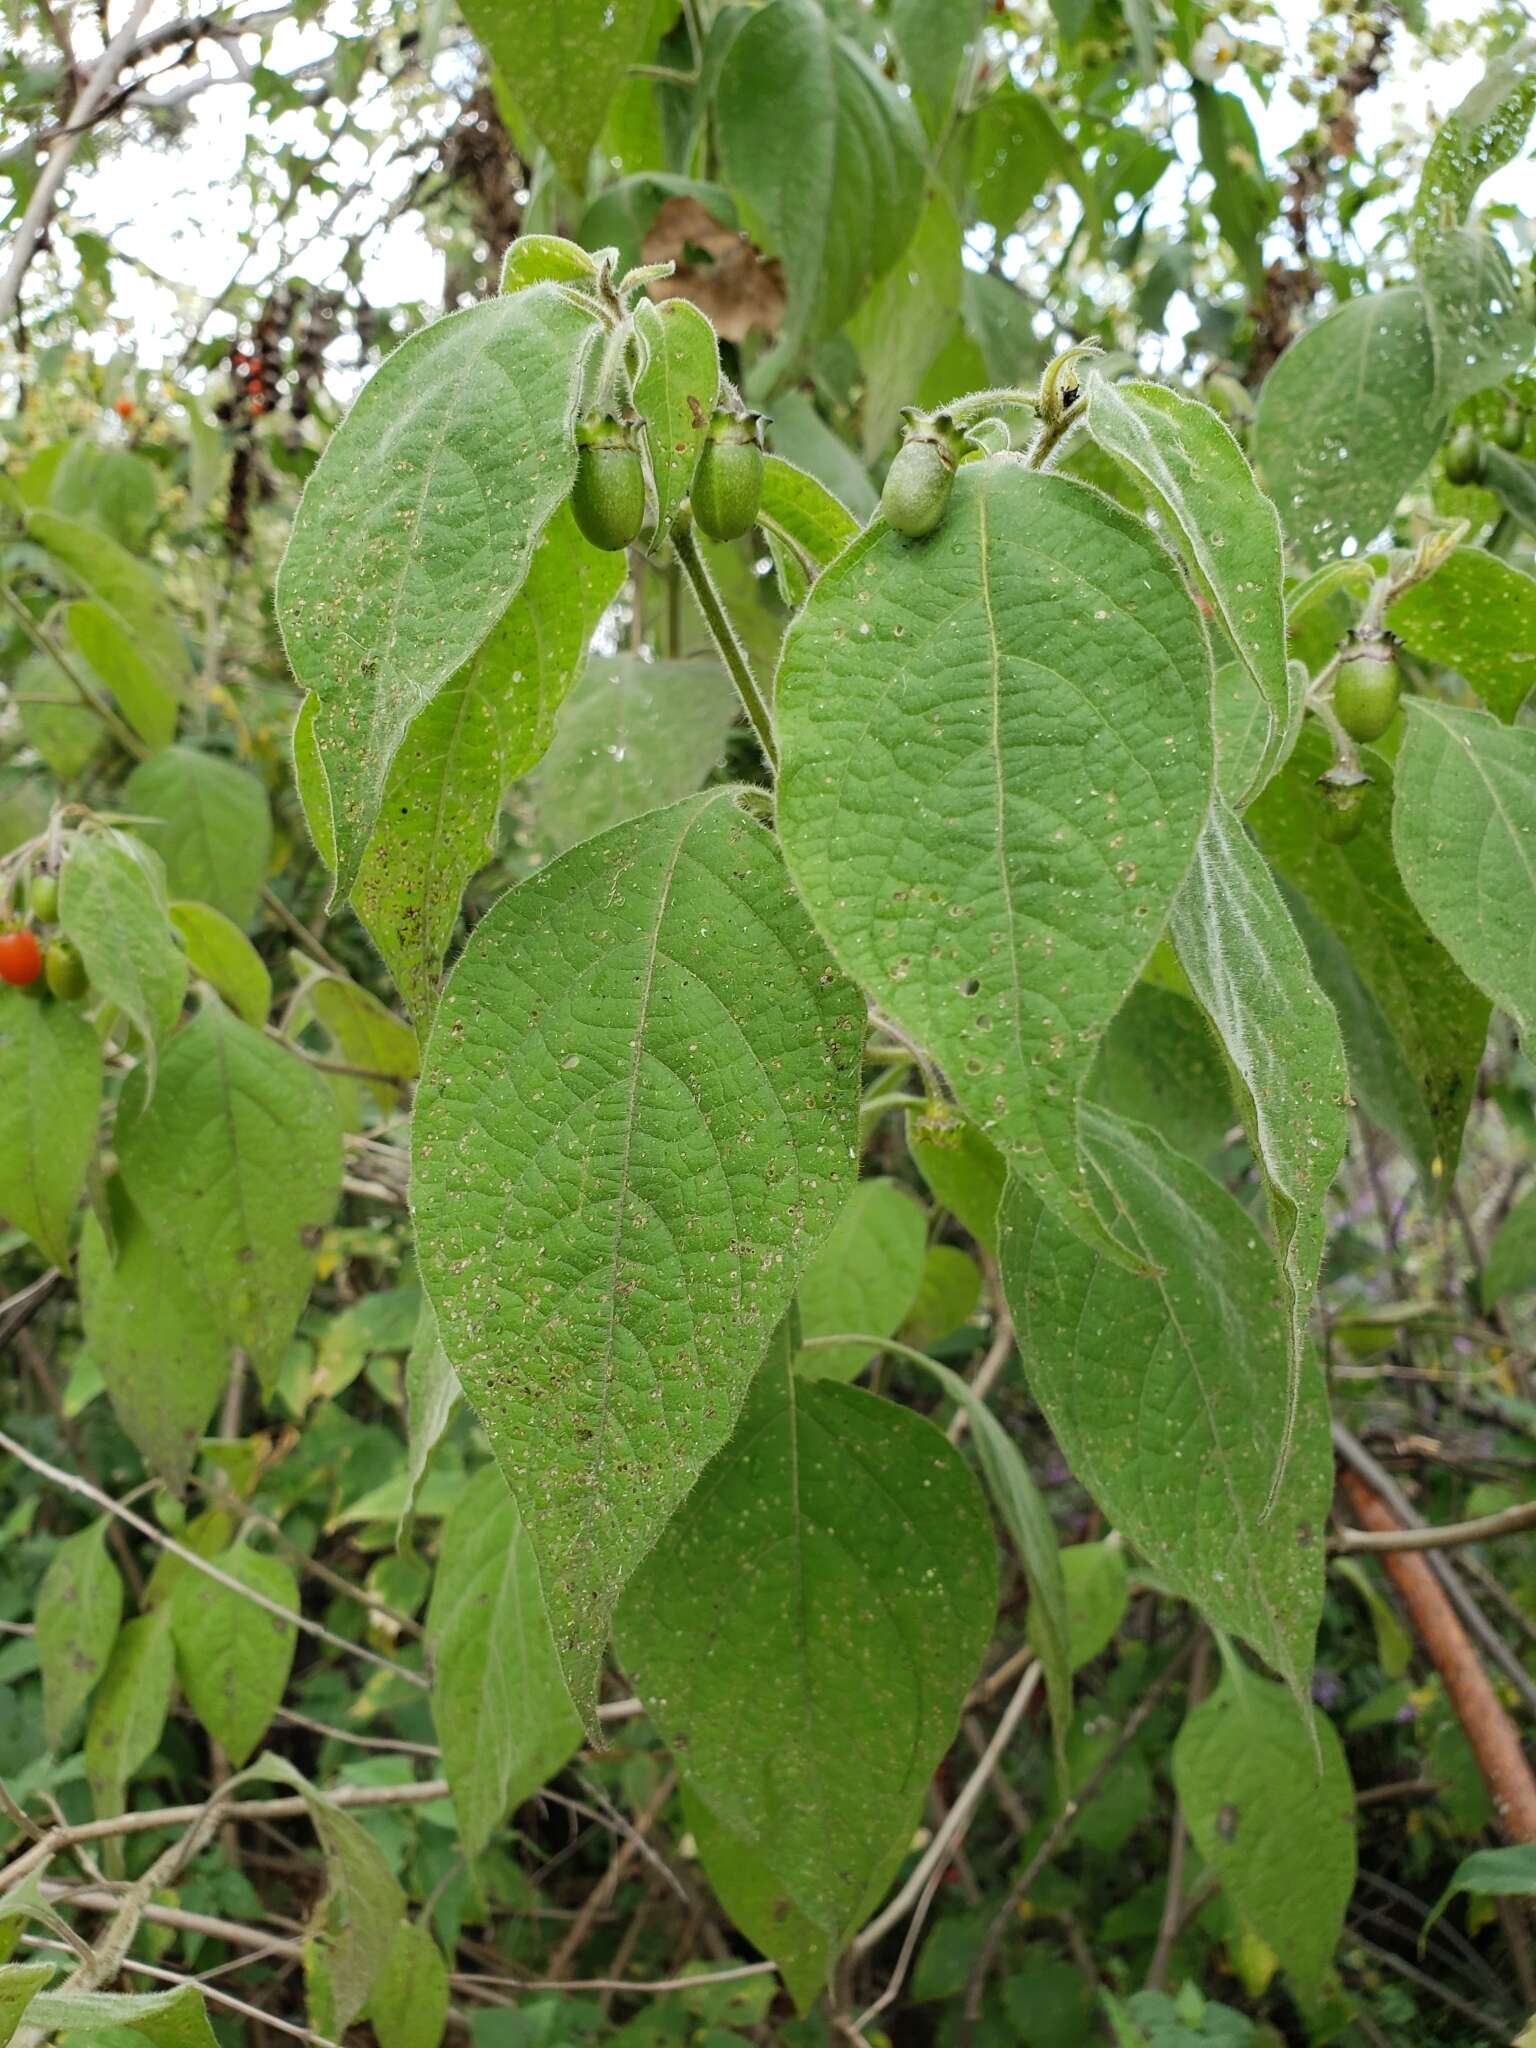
(171, 209)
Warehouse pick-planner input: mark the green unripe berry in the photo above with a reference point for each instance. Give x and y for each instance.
(1509, 434)
(43, 898)
(608, 496)
(728, 483)
(1367, 691)
(1464, 457)
(64, 971)
(919, 481)
(1343, 809)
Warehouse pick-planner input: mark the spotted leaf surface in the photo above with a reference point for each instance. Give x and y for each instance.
(635, 1122)
(996, 758)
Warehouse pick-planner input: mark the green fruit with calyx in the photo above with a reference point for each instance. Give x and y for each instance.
(65, 971)
(1367, 690)
(1344, 794)
(43, 898)
(918, 483)
(1464, 457)
(1509, 434)
(728, 483)
(608, 496)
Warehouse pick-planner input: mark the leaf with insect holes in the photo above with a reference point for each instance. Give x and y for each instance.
(837, 1560)
(417, 527)
(996, 759)
(499, 1702)
(1167, 1391)
(50, 1099)
(635, 1122)
(1199, 479)
(1464, 831)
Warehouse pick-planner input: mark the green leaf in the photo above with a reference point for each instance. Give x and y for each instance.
(933, 39)
(1389, 952)
(1476, 615)
(417, 526)
(545, 259)
(901, 326)
(232, 1657)
(1024, 1514)
(362, 1911)
(236, 1167)
(108, 488)
(1098, 1593)
(1484, 133)
(122, 586)
(757, 1903)
(1159, 1064)
(1168, 1393)
(633, 735)
(112, 903)
(129, 1710)
(431, 1395)
(19, 1983)
(1489, 1873)
(1349, 419)
(1198, 478)
(79, 1605)
(491, 723)
(1250, 974)
(562, 66)
(158, 1340)
(836, 190)
(214, 829)
(946, 1296)
(369, 1035)
(635, 1122)
(1017, 153)
(1481, 335)
(938, 703)
(409, 2003)
(1512, 480)
(166, 2019)
(964, 1170)
(1511, 1262)
(109, 648)
(801, 516)
(1269, 1805)
(50, 1097)
(219, 953)
(1242, 200)
(54, 719)
(499, 1702)
(675, 394)
(1464, 831)
(832, 1502)
(865, 1277)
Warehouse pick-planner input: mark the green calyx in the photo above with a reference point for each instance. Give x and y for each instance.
(1368, 689)
(728, 483)
(608, 496)
(917, 485)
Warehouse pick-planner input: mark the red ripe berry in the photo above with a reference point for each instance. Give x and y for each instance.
(21, 958)
(123, 407)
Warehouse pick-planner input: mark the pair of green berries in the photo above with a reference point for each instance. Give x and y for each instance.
(608, 497)
(1465, 457)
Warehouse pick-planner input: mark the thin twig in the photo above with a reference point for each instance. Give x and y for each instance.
(1507, 1522)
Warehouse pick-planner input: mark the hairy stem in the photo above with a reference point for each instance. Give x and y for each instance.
(723, 633)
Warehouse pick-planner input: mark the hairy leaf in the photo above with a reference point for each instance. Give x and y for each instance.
(1270, 1806)
(757, 1902)
(807, 527)
(213, 829)
(1464, 831)
(1357, 894)
(79, 1605)
(500, 1705)
(1250, 974)
(675, 394)
(409, 2002)
(235, 1166)
(633, 735)
(129, 1710)
(635, 1123)
(1477, 138)
(836, 189)
(996, 756)
(865, 1277)
(1159, 1064)
(1348, 420)
(50, 1097)
(166, 2019)
(233, 1657)
(832, 1519)
(1476, 615)
(491, 723)
(561, 66)
(1168, 1392)
(112, 903)
(1481, 334)
(417, 526)
(19, 1985)
(1199, 479)
(219, 953)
